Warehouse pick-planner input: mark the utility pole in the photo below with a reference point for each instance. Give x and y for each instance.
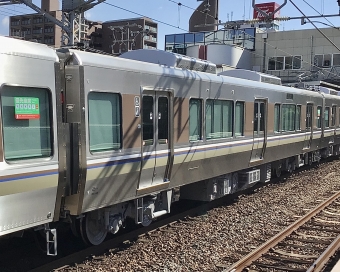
(74, 28)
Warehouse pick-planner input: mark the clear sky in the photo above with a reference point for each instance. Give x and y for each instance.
(170, 13)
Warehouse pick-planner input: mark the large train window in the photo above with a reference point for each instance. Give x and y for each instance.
(195, 119)
(309, 116)
(26, 119)
(105, 124)
(288, 117)
(239, 118)
(333, 116)
(298, 118)
(219, 119)
(277, 118)
(318, 116)
(327, 110)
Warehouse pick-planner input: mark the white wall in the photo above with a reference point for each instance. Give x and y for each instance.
(230, 55)
(225, 54)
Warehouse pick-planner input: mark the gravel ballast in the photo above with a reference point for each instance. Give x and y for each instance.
(223, 235)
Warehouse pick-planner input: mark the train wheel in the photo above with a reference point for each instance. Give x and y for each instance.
(92, 227)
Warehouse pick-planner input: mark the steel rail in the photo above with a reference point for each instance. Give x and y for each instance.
(318, 265)
(264, 248)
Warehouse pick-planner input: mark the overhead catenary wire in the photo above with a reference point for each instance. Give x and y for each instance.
(323, 34)
(195, 9)
(288, 54)
(320, 14)
(136, 13)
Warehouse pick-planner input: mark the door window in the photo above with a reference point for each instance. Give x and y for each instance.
(148, 127)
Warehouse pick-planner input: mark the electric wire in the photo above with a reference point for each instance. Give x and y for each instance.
(315, 26)
(286, 53)
(195, 9)
(289, 55)
(10, 11)
(320, 14)
(6, 13)
(136, 13)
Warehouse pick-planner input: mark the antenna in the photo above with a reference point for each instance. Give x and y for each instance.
(244, 9)
(231, 16)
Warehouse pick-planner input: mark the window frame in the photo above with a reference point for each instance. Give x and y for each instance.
(294, 119)
(51, 123)
(212, 121)
(120, 101)
(284, 64)
(327, 123)
(279, 118)
(243, 121)
(319, 118)
(201, 117)
(333, 115)
(300, 107)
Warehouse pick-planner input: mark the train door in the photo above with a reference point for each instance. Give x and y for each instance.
(309, 126)
(260, 130)
(157, 147)
(333, 124)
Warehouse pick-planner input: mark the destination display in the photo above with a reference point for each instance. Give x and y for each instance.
(26, 108)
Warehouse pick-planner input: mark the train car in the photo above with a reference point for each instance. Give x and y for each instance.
(29, 157)
(115, 137)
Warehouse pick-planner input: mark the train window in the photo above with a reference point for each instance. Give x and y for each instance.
(288, 117)
(318, 116)
(26, 112)
(333, 116)
(148, 128)
(298, 118)
(277, 118)
(163, 120)
(195, 119)
(309, 116)
(105, 124)
(219, 119)
(327, 117)
(239, 118)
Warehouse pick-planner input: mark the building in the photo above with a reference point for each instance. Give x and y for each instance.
(294, 56)
(35, 27)
(205, 17)
(298, 55)
(120, 36)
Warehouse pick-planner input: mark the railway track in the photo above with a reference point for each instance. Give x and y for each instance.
(306, 245)
(167, 224)
(171, 226)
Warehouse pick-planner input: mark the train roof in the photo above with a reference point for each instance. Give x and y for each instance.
(170, 59)
(97, 60)
(15, 47)
(252, 75)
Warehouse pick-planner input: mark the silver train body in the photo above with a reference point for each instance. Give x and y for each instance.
(113, 138)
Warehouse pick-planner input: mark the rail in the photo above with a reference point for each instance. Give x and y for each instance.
(317, 265)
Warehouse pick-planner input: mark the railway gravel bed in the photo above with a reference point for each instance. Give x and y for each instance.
(215, 240)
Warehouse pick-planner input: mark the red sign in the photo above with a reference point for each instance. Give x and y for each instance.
(267, 8)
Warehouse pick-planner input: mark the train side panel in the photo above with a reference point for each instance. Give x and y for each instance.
(29, 146)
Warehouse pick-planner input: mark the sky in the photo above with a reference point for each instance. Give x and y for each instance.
(172, 18)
